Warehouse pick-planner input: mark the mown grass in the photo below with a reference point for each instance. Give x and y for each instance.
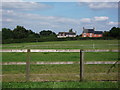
(14, 75)
(81, 44)
(93, 84)
(60, 68)
(58, 72)
(60, 56)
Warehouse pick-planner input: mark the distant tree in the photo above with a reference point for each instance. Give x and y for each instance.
(47, 33)
(115, 32)
(106, 34)
(71, 30)
(20, 32)
(80, 35)
(32, 34)
(7, 33)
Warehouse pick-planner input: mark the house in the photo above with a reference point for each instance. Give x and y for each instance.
(66, 34)
(91, 33)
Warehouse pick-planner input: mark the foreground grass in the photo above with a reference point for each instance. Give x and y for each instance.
(60, 56)
(81, 44)
(57, 69)
(92, 84)
(16, 73)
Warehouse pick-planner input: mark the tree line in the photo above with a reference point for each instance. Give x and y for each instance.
(20, 34)
(113, 33)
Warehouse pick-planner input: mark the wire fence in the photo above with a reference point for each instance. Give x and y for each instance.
(59, 65)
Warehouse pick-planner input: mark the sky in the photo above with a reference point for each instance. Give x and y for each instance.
(59, 16)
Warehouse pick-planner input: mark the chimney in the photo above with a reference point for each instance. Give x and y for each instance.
(83, 28)
(94, 28)
(75, 31)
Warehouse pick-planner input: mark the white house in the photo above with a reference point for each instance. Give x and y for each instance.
(66, 34)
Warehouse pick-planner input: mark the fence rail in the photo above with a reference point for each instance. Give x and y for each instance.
(58, 50)
(44, 63)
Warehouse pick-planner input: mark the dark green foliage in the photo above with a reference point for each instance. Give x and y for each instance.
(7, 33)
(71, 30)
(0, 37)
(20, 35)
(20, 32)
(47, 33)
(113, 33)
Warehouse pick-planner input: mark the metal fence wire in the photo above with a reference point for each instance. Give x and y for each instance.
(54, 66)
(59, 65)
(103, 68)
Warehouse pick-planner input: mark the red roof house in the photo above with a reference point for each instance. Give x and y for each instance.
(91, 33)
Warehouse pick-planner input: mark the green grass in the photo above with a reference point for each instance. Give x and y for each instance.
(89, 84)
(81, 44)
(16, 73)
(60, 56)
(41, 69)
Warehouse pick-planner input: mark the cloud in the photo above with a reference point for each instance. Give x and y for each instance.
(24, 6)
(18, 14)
(60, 0)
(37, 22)
(103, 5)
(8, 20)
(102, 18)
(12, 0)
(99, 5)
(85, 20)
(113, 23)
(98, 0)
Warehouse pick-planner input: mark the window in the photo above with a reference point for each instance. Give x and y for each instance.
(84, 34)
(90, 34)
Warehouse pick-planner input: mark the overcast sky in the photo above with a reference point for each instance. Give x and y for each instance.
(60, 16)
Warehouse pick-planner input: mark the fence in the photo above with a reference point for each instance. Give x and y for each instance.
(81, 58)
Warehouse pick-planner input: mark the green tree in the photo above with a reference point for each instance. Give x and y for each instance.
(20, 32)
(115, 32)
(71, 30)
(106, 34)
(47, 33)
(7, 33)
(32, 34)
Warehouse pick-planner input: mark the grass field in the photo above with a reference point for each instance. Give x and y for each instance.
(92, 84)
(81, 44)
(14, 75)
(60, 56)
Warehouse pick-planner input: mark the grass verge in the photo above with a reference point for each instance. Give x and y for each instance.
(90, 84)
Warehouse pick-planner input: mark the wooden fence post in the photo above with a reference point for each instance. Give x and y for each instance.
(81, 65)
(28, 65)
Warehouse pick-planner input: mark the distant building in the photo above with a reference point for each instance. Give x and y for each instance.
(91, 33)
(66, 34)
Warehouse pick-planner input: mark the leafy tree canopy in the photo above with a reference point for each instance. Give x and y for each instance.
(7, 33)
(71, 30)
(47, 33)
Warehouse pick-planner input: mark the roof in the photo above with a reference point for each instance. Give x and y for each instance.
(88, 31)
(98, 32)
(92, 31)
